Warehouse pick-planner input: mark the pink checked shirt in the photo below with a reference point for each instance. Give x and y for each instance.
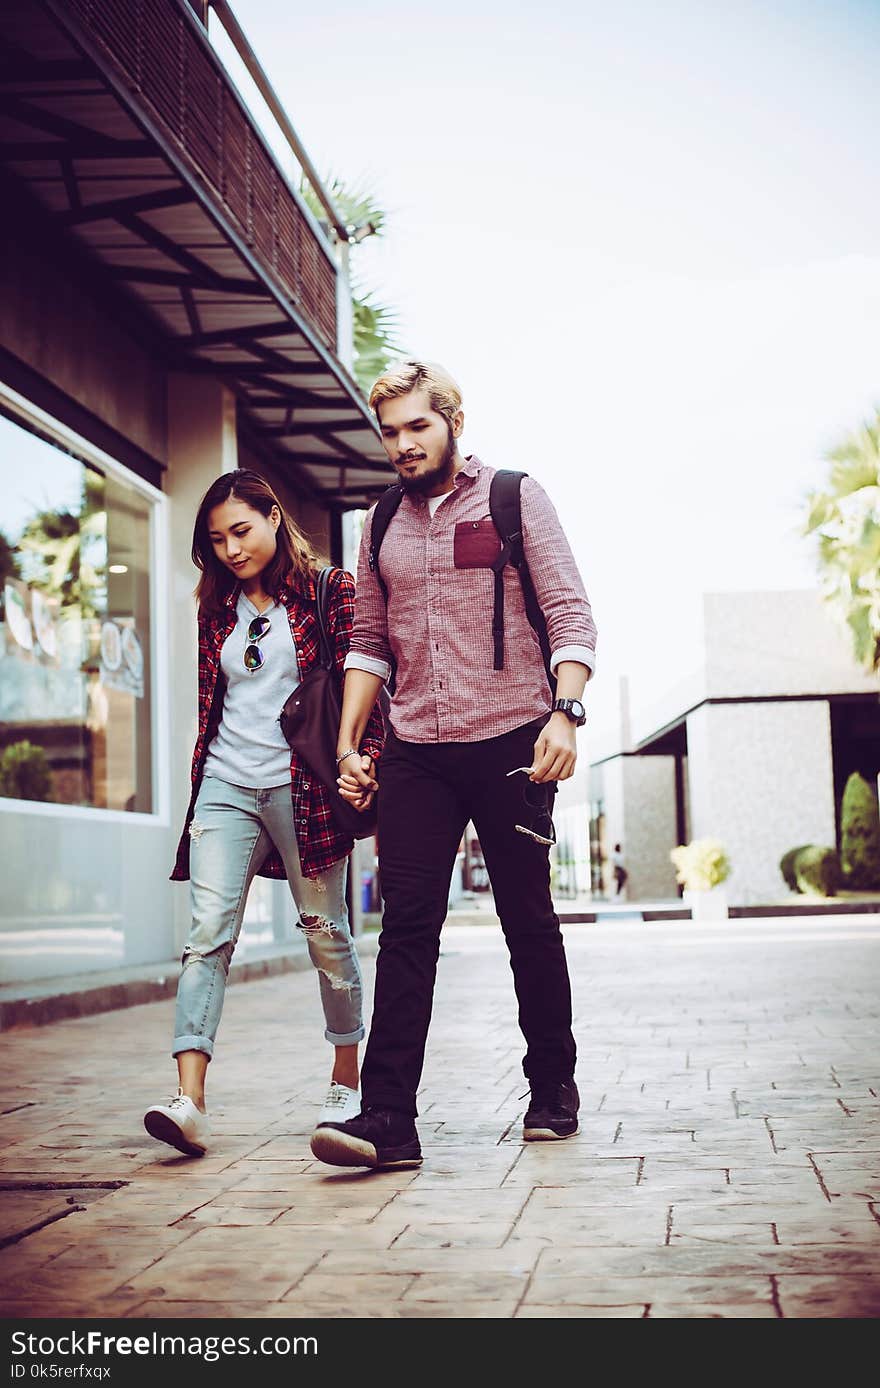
(438, 622)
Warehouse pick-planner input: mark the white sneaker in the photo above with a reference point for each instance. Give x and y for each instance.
(340, 1104)
(179, 1123)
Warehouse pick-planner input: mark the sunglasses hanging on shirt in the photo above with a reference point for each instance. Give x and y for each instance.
(254, 656)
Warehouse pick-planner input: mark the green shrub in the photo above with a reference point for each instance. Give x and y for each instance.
(817, 871)
(24, 772)
(860, 835)
(700, 865)
(786, 866)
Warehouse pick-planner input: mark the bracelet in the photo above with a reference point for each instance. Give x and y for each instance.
(352, 752)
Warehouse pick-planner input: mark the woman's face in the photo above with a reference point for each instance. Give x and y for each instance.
(243, 539)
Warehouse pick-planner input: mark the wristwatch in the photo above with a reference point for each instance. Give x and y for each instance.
(573, 709)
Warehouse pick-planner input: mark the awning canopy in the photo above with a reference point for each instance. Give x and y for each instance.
(122, 125)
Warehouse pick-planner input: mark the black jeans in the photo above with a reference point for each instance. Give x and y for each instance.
(428, 793)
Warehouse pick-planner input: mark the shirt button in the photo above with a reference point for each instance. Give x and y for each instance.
(307, 785)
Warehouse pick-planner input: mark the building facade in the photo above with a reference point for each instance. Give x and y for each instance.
(754, 749)
(171, 309)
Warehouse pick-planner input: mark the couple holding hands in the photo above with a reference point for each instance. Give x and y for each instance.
(475, 731)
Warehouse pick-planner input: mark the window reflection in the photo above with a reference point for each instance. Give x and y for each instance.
(75, 695)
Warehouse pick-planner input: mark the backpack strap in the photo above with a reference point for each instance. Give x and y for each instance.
(322, 599)
(386, 509)
(505, 507)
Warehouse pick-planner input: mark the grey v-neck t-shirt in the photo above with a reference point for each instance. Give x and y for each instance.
(249, 748)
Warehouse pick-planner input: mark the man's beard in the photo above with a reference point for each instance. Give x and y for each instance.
(441, 473)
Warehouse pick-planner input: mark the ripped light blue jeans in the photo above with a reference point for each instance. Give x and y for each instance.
(231, 834)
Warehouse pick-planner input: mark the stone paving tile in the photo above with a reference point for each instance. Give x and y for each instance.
(503, 1287)
(515, 1257)
(763, 1234)
(367, 1288)
(528, 1311)
(588, 1227)
(438, 1206)
(816, 1296)
(218, 1309)
(730, 1099)
(485, 1234)
(679, 1290)
(687, 1310)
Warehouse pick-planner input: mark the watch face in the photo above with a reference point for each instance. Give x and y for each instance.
(577, 708)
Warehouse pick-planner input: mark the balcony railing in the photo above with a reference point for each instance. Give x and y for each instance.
(164, 57)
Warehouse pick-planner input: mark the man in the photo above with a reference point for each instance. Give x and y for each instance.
(466, 742)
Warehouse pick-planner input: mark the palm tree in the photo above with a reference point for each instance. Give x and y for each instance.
(845, 518)
(375, 325)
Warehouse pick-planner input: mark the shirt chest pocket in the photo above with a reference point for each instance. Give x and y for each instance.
(476, 544)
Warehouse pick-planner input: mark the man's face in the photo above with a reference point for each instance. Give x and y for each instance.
(421, 443)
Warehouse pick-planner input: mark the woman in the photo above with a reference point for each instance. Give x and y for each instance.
(255, 807)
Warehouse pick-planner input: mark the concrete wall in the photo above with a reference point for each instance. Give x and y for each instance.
(778, 643)
(638, 798)
(649, 827)
(760, 780)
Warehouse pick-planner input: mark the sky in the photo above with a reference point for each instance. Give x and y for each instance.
(646, 241)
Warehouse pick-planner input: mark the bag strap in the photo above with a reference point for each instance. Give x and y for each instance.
(322, 597)
(506, 508)
(386, 509)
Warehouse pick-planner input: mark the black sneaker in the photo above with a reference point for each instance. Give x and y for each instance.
(377, 1137)
(553, 1111)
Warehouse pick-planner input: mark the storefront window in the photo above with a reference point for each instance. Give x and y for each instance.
(75, 679)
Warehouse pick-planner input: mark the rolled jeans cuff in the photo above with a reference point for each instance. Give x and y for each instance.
(350, 1038)
(192, 1043)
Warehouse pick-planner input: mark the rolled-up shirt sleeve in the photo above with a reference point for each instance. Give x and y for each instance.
(369, 649)
(559, 587)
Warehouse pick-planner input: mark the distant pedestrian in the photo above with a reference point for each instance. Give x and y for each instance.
(255, 807)
(619, 871)
(470, 739)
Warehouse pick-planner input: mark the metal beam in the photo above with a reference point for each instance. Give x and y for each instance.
(320, 426)
(278, 460)
(38, 119)
(145, 274)
(190, 305)
(70, 183)
(345, 449)
(116, 208)
(82, 147)
(203, 273)
(277, 328)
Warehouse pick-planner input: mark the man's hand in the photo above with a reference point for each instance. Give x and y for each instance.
(555, 750)
(357, 782)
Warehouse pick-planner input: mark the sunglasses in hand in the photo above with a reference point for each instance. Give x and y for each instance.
(538, 799)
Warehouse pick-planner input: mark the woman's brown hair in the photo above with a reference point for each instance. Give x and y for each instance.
(293, 558)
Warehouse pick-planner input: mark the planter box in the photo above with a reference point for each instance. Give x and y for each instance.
(709, 905)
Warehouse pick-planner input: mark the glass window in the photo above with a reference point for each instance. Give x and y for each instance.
(75, 679)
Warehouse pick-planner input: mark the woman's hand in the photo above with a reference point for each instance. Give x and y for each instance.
(357, 782)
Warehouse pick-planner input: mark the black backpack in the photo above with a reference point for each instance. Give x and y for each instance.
(504, 507)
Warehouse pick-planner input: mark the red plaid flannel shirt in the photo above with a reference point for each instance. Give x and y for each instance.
(320, 842)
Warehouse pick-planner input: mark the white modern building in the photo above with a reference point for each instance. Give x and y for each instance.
(753, 748)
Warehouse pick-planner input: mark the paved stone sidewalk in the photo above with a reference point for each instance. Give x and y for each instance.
(728, 1162)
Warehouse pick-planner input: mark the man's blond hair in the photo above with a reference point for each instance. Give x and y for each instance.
(404, 376)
